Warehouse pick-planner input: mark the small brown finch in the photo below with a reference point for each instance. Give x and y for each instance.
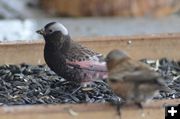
(132, 80)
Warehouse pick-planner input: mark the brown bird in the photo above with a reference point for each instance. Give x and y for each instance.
(70, 59)
(133, 81)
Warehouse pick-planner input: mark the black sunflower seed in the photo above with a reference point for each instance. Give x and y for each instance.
(28, 84)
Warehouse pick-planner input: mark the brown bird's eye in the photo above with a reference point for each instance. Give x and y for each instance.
(113, 80)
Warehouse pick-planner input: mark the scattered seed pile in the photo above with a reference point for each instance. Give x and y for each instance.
(27, 84)
(170, 71)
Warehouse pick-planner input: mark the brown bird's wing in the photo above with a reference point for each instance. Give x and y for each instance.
(139, 73)
(142, 74)
(141, 77)
(133, 71)
(127, 68)
(138, 77)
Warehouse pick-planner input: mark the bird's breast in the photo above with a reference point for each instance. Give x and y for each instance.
(54, 60)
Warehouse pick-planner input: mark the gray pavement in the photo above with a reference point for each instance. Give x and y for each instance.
(106, 26)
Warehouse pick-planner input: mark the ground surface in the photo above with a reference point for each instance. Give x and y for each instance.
(25, 30)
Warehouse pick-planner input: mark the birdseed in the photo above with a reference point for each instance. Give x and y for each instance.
(26, 84)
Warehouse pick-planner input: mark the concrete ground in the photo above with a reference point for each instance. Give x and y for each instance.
(107, 26)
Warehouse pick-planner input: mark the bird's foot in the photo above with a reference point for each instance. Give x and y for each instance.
(119, 108)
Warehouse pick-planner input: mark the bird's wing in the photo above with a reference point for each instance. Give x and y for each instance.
(88, 65)
(133, 71)
(141, 77)
(78, 52)
(127, 68)
(145, 77)
(81, 57)
(138, 72)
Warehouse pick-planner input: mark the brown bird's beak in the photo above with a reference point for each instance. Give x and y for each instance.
(41, 32)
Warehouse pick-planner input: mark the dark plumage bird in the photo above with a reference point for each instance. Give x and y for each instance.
(133, 81)
(68, 58)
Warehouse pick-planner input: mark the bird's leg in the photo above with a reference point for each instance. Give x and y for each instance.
(119, 105)
(139, 105)
(119, 109)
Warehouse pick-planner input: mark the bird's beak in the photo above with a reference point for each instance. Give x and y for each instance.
(41, 32)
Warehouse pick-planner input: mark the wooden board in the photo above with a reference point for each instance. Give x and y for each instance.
(154, 110)
(147, 46)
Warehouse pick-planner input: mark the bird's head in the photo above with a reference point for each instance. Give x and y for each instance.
(53, 27)
(55, 34)
(114, 57)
